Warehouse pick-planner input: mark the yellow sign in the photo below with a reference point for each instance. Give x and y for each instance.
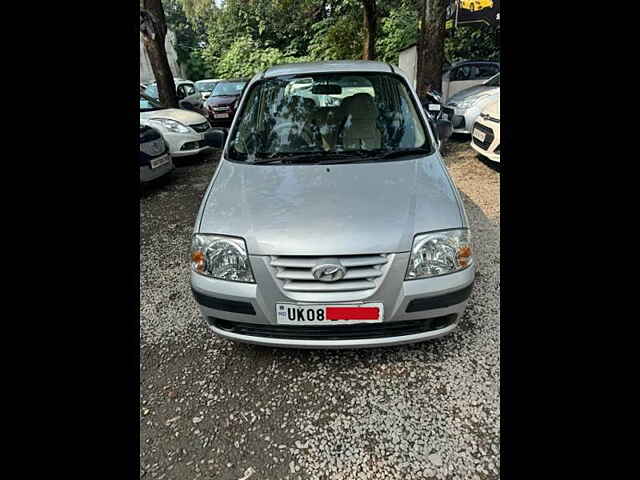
(476, 5)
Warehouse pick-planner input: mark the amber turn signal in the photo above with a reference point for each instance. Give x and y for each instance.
(197, 258)
(464, 256)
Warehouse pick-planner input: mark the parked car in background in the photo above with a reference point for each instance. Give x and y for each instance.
(331, 224)
(464, 107)
(223, 101)
(184, 88)
(485, 136)
(154, 158)
(466, 74)
(186, 133)
(205, 87)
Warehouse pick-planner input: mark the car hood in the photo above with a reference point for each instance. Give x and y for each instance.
(185, 117)
(472, 92)
(222, 99)
(343, 209)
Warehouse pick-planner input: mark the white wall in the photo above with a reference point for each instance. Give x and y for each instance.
(146, 73)
(407, 63)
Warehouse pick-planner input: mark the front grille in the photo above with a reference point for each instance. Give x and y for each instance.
(336, 332)
(201, 127)
(489, 136)
(364, 272)
(221, 109)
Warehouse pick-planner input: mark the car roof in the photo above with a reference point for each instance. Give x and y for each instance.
(229, 80)
(328, 66)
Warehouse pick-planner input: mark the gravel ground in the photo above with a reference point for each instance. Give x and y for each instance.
(214, 409)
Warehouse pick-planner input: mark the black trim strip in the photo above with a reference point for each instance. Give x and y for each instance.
(223, 304)
(440, 301)
(335, 332)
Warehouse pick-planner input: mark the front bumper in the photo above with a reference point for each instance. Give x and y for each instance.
(489, 148)
(147, 174)
(247, 312)
(177, 141)
(463, 119)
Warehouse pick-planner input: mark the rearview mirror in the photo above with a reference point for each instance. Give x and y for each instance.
(326, 89)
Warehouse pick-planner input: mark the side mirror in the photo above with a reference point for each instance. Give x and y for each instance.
(216, 138)
(445, 129)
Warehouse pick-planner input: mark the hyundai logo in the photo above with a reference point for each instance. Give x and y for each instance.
(329, 272)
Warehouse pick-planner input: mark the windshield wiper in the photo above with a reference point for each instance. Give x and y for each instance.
(299, 156)
(386, 154)
(406, 152)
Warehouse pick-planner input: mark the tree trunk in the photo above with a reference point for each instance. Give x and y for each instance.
(430, 45)
(153, 26)
(370, 25)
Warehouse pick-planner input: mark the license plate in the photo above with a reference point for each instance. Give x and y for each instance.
(220, 115)
(479, 135)
(434, 107)
(292, 314)
(158, 162)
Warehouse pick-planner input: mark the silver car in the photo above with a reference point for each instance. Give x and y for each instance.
(464, 107)
(331, 220)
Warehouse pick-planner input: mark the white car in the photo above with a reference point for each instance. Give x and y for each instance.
(205, 86)
(184, 88)
(186, 132)
(463, 108)
(485, 136)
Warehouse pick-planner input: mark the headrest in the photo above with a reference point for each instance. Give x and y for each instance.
(360, 105)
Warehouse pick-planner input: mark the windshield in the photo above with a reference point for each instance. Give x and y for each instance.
(228, 88)
(205, 86)
(493, 82)
(147, 103)
(327, 113)
(152, 91)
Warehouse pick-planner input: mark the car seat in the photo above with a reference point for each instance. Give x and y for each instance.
(359, 128)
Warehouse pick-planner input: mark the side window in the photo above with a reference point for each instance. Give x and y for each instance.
(474, 72)
(181, 91)
(462, 73)
(189, 89)
(487, 71)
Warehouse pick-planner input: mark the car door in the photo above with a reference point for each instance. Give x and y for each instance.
(462, 77)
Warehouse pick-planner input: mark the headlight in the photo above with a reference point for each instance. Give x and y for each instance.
(172, 125)
(439, 253)
(221, 257)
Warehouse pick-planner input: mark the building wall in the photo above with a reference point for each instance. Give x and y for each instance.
(408, 62)
(146, 73)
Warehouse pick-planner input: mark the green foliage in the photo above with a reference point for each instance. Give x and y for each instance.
(242, 36)
(473, 42)
(244, 58)
(337, 38)
(398, 29)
